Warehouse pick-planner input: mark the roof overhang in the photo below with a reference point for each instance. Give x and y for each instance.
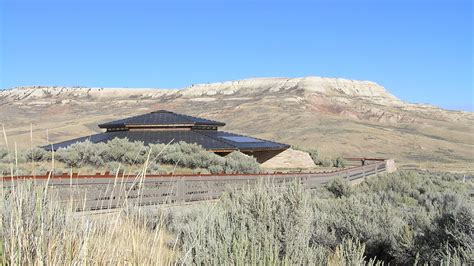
(250, 150)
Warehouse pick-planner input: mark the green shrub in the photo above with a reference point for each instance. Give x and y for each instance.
(43, 170)
(82, 153)
(365, 218)
(451, 231)
(37, 155)
(453, 257)
(185, 155)
(114, 167)
(349, 252)
(314, 154)
(326, 162)
(339, 187)
(339, 162)
(3, 153)
(9, 156)
(154, 168)
(237, 162)
(402, 218)
(181, 154)
(195, 157)
(70, 156)
(5, 170)
(262, 226)
(122, 150)
(318, 160)
(216, 169)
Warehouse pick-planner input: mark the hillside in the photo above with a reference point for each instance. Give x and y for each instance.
(336, 116)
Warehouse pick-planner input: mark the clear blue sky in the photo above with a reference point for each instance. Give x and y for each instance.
(421, 51)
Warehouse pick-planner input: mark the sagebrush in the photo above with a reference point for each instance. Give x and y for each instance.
(315, 155)
(400, 218)
(128, 154)
(404, 218)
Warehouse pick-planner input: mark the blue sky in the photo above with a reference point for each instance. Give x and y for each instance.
(421, 51)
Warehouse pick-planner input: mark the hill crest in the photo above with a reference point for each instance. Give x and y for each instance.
(336, 116)
(326, 86)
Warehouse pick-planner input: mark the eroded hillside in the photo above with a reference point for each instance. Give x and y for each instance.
(336, 116)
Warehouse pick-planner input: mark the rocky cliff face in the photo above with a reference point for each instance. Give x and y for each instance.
(348, 98)
(327, 86)
(338, 116)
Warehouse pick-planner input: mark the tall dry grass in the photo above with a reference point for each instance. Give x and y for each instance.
(36, 229)
(399, 218)
(403, 218)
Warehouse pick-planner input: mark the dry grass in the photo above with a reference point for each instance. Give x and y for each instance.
(124, 239)
(40, 168)
(36, 230)
(260, 225)
(430, 139)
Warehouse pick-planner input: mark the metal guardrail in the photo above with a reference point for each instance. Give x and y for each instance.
(93, 192)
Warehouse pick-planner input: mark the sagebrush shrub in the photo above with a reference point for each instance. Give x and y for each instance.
(154, 168)
(314, 154)
(349, 252)
(339, 187)
(37, 155)
(5, 169)
(237, 162)
(114, 167)
(215, 169)
(69, 156)
(404, 218)
(401, 218)
(82, 153)
(3, 153)
(339, 162)
(122, 150)
(326, 162)
(451, 231)
(266, 225)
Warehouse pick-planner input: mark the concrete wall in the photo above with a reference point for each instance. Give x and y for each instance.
(390, 165)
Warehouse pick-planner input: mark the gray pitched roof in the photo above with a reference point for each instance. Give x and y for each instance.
(160, 117)
(208, 139)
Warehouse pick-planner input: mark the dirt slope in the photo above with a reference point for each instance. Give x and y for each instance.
(336, 116)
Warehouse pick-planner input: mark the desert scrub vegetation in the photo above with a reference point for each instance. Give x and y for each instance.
(319, 160)
(401, 218)
(126, 155)
(36, 230)
(404, 218)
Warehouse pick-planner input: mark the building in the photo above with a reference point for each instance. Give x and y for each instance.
(164, 126)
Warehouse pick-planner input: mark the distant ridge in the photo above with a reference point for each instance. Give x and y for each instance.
(337, 116)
